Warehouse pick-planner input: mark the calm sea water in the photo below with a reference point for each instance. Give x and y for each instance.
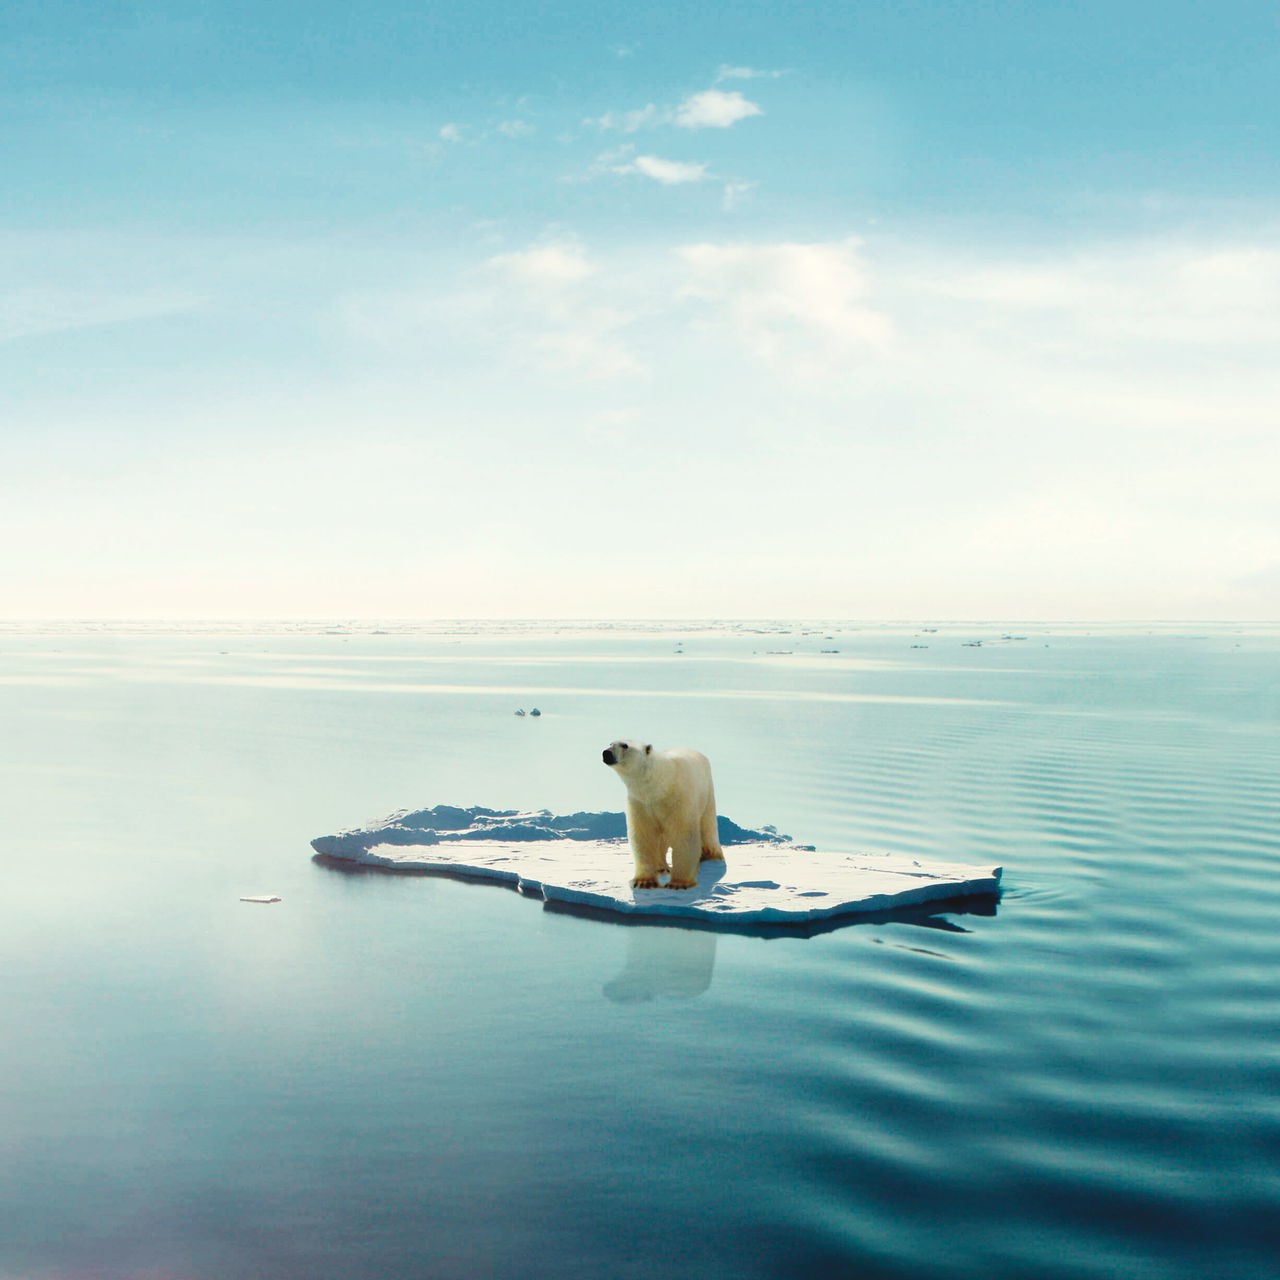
(388, 1076)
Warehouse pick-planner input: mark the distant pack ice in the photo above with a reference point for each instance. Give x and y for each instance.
(583, 859)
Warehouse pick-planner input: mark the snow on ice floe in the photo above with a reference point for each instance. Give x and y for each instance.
(582, 859)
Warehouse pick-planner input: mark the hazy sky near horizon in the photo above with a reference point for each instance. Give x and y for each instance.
(880, 310)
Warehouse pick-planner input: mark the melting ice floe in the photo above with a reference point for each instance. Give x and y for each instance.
(582, 859)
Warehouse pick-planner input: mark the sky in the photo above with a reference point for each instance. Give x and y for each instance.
(864, 310)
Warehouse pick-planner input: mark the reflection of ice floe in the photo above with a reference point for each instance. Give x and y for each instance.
(582, 860)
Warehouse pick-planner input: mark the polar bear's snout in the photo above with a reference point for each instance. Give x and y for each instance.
(608, 757)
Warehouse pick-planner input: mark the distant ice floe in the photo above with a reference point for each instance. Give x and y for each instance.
(582, 859)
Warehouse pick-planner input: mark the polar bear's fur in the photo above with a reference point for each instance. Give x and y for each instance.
(671, 804)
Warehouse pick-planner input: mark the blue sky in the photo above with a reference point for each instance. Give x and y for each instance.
(860, 310)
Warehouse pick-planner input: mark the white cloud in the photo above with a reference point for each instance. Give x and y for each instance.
(714, 109)
(450, 133)
(670, 173)
(1127, 297)
(551, 265)
(803, 306)
(555, 318)
(733, 194)
(515, 128)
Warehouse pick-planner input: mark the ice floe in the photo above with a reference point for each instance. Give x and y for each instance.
(582, 860)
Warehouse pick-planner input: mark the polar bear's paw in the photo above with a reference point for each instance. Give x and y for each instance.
(713, 855)
(673, 883)
(646, 882)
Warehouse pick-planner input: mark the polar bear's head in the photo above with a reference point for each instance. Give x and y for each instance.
(625, 756)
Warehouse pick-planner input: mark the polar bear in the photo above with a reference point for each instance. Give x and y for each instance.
(671, 804)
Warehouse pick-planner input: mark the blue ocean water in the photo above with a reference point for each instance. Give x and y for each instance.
(404, 1076)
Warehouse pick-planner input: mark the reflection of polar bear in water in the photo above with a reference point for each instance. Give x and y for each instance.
(671, 964)
(671, 804)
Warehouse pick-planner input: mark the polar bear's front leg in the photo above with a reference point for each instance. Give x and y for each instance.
(685, 856)
(648, 847)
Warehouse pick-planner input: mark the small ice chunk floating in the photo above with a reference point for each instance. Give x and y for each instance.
(582, 860)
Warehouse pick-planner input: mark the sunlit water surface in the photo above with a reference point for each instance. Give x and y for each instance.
(403, 1076)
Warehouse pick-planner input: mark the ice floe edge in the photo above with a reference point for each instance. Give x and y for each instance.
(766, 880)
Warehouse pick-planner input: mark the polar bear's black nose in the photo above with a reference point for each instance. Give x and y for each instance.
(608, 756)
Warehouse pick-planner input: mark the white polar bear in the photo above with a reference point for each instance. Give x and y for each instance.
(671, 804)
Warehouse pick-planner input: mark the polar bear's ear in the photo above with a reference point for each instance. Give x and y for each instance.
(648, 749)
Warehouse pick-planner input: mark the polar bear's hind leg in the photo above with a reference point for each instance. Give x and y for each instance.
(710, 831)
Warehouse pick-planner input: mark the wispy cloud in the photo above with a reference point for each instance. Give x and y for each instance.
(515, 128)
(805, 309)
(550, 265)
(450, 133)
(556, 320)
(670, 173)
(746, 73)
(1222, 296)
(28, 312)
(1088, 426)
(631, 121)
(804, 306)
(709, 109)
